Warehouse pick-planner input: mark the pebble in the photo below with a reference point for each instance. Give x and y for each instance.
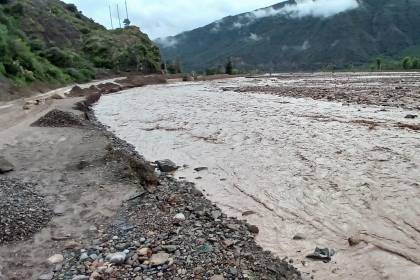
(180, 217)
(116, 258)
(144, 252)
(48, 276)
(80, 277)
(159, 258)
(55, 259)
(83, 257)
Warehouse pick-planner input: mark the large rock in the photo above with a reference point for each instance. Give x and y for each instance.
(159, 258)
(166, 165)
(5, 165)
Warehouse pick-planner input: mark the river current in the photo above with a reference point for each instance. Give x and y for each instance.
(301, 166)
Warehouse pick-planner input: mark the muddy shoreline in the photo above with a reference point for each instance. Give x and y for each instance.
(94, 182)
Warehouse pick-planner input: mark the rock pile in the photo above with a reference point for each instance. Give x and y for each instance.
(58, 118)
(22, 210)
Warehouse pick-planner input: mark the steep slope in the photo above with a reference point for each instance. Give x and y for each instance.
(50, 41)
(302, 35)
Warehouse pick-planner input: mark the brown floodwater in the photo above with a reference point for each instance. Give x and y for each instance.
(322, 169)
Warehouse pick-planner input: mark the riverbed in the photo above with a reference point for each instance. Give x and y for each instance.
(322, 169)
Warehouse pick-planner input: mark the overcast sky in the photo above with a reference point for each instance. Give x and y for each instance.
(160, 18)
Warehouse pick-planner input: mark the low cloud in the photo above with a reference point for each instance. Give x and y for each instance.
(302, 8)
(167, 42)
(320, 8)
(254, 37)
(305, 45)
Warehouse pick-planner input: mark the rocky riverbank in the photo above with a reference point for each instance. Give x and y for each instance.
(113, 218)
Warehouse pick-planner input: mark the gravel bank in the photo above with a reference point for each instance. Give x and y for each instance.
(23, 211)
(174, 233)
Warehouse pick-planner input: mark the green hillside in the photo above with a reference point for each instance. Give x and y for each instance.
(389, 29)
(51, 41)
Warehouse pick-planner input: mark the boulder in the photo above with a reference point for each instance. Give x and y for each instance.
(253, 229)
(166, 165)
(5, 166)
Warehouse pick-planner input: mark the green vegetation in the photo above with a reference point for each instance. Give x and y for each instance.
(229, 67)
(175, 67)
(53, 42)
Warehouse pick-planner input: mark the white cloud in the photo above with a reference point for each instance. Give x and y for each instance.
(320, 8)
(305, 45)
(254, 37)
(302, 8)
(167, 42)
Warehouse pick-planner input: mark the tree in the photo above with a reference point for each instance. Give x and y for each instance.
(415, 63)
(378, 64)
(127, 22)
(72, 8)
(178, 65)
(406, 63)
(229, 67)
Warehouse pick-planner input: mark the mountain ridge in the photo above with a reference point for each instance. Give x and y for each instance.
(312, 41)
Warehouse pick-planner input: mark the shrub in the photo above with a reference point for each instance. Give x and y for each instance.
(415, 63)
(71, 8)
(12, 68)
(103, 62)
(36, 45)
(17, 9)
(58, 57)
(85, 30)
(2, 69)
(406, 63)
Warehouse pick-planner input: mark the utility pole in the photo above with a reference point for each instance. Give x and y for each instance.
(126, 10)
(110, 15)
(119, 18)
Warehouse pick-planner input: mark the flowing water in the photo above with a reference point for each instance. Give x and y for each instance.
(323, 170)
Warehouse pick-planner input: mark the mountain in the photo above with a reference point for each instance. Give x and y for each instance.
(302, 35)
(51, 41)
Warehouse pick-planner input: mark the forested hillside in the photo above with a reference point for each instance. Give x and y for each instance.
(288, 37)
(51, 41)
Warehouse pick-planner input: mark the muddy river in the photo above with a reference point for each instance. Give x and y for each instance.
(324, 169)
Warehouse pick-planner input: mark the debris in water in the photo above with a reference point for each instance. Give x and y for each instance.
(323, 254)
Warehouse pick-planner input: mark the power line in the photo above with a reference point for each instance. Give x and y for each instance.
(119, 18)
(126, 10)
(110, 15)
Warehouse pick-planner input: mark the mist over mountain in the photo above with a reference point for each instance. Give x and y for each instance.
(302, 35)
